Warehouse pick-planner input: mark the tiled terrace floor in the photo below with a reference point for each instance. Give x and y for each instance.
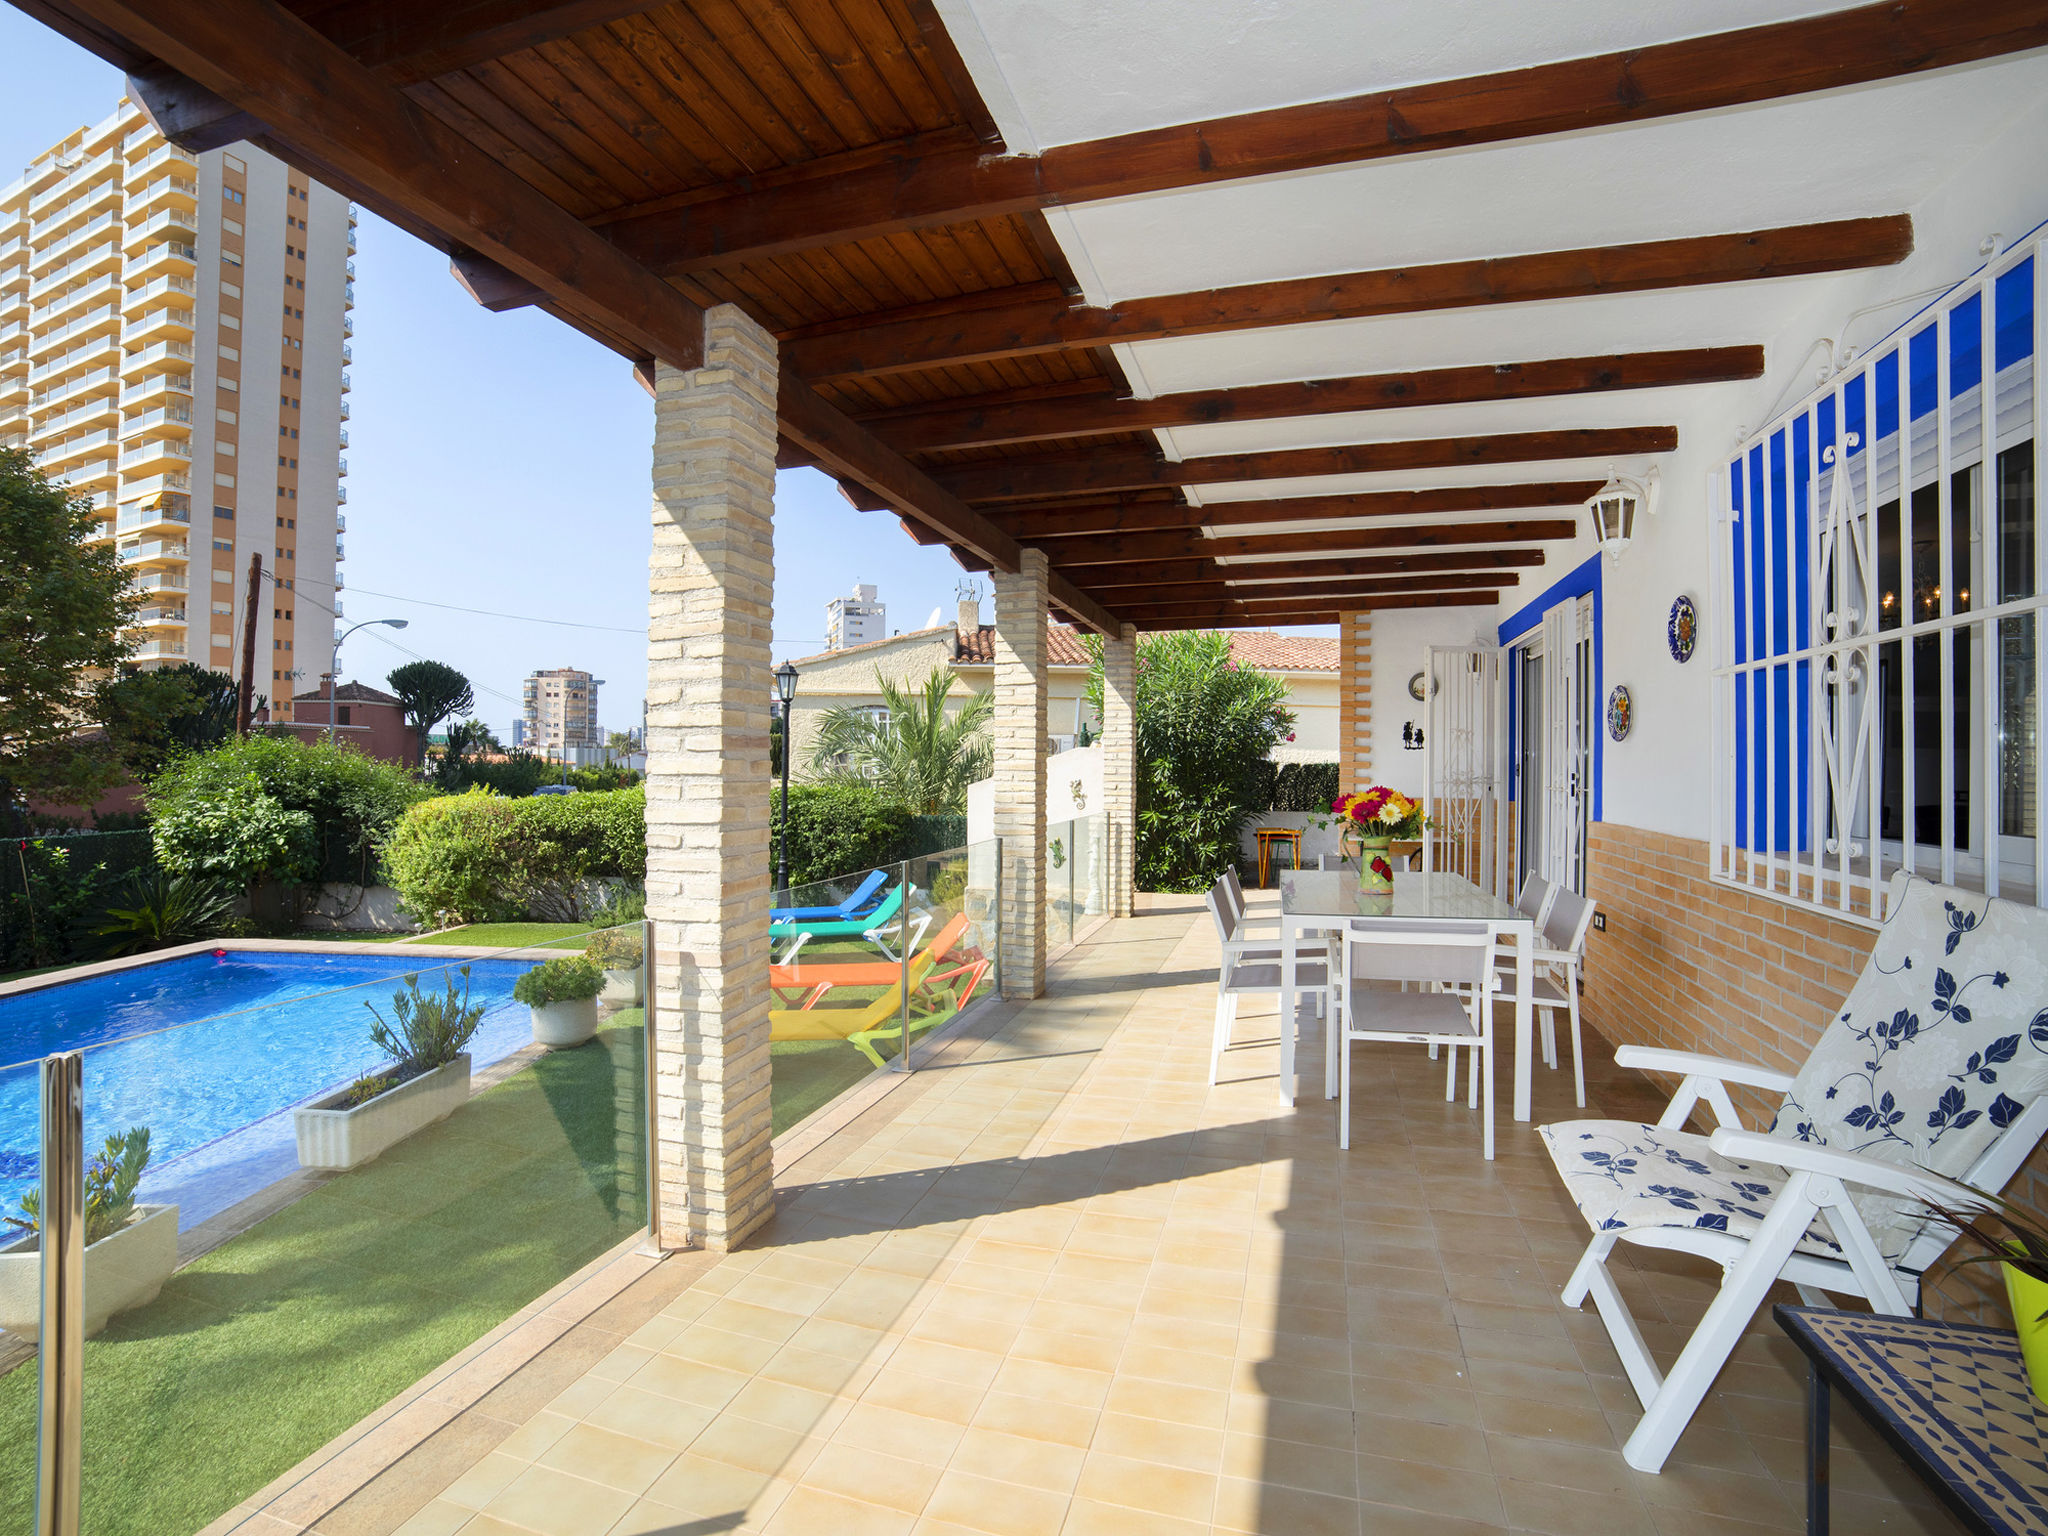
(1063, 1286)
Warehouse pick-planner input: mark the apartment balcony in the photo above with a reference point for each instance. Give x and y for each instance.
(165, 324)
(341, 465)
(351, 238)
(168, 257)
(351, 269)
(344, 437)
(160, 617)
(155, 552)
(99, 381)
(14, 394)
(340, 526)
(62, 223)
(161, 357)
(14, 309)
(159, 389)
(161, 581)
(60, 307)
(339, 583)
(348, 323)
(13, 439)
(137, 486)
(156, 456)
(90, 326)
(103, 255)
(100, 167)
(348, 353)
(341, 495)
(345, 384)
(176, 224)
(155, 288)
(67, 246)
(153, 650)
(166, 191)
(95, 354)
(344, 410)
(170, 421)
(97, 411)
(73, 453)
(339, 553)
(165, 153)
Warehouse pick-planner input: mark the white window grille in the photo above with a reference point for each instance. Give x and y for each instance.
(1878, 668)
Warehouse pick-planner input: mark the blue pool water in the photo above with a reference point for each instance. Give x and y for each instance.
(264, 1030)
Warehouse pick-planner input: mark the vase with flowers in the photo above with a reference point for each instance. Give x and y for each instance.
(1370, 821)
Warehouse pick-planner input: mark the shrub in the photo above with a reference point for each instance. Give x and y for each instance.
(1304, 787)
(110, 1182)
(620, 905)
(563, 842)
(567, 980)
(165, 909)
(838, 829)
(274, 807)
(615, 949)
(364, 1089)
(53, 890)
(451, 859)
(426, 1030)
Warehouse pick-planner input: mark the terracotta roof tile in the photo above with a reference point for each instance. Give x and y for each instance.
(351, 693)
(1064, 647)
(1262, 648)
(1272, 652)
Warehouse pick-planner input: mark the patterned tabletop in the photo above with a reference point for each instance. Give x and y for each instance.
(1953, 1397)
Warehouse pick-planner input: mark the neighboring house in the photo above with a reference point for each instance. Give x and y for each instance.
(367, 718)
(847, 678)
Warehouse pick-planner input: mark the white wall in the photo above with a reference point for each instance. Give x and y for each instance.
(1401, 638)
(1073, 788)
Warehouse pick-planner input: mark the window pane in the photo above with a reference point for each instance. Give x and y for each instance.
(2019, 726)
(1962, 565)
(1888, 605)
(1926, 554)
(2016, 522)
(1892, 742)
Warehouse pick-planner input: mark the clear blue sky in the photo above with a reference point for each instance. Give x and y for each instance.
(501, 462)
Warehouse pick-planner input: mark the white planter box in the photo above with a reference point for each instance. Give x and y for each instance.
(621, 988)
(348, 1138)
(560, 1025)
(123, 1270)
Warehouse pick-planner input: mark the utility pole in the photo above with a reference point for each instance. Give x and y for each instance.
(246, 709)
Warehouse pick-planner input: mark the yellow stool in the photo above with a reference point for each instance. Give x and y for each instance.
(1272, 837)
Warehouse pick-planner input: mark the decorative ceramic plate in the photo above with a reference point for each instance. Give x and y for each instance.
(1620, 713)
(1416, 690)
(1682, 630)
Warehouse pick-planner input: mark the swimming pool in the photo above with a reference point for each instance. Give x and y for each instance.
(265, 1030)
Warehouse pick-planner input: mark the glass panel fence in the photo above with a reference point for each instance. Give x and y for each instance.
(1076, 883)
(313, 1177)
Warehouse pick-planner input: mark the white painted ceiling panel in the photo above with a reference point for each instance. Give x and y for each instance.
(1874, 150)
(1406, 480)
(1081, 69)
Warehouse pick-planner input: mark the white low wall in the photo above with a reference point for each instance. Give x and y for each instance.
(357, 909)
(1073, 787)
(1314, 843)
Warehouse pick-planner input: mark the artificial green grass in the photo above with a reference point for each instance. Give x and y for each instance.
(263, 1350)
(347, 936)
(512, 935)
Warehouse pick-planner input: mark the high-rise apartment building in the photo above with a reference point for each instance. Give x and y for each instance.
(855, 620)
(560, 711)
(165, 319)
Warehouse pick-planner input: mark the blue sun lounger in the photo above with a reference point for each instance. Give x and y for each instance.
(865, 897)
(878, 928)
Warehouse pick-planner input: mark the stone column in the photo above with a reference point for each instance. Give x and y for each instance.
(1120, 764)
(1020, 771)
(710, 593)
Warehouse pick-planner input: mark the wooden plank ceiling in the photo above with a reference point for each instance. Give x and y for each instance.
(829, 166)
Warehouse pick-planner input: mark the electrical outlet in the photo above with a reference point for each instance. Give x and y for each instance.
(1600, 921)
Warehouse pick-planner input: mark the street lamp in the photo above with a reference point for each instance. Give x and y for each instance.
(334, 667)
(785, 691)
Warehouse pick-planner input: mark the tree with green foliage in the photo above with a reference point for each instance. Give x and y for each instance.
(1205, 726)
(912, 752)
(63, 604)
(430, 691)
(150, 715)
(466, 739)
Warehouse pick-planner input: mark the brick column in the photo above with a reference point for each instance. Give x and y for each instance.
(1120, 764)
(1020, 771)
(710, 590)
(1354, 702)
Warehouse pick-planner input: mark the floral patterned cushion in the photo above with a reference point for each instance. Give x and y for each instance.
(1622, 1175)
(1937, 1048)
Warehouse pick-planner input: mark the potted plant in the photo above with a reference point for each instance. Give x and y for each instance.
(616, 952)
(427, 1080)
(1371, 820)
(563, 997)
(2015, 1240)
(130, 1249)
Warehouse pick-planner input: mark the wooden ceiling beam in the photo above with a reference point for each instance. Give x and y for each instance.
(1137, 548)
(407, 41)
(1032, 523)
(314, 97)
(1200, 570)
(1053, 325)
(1292, 591)
(1233, 616)
(1825, 52)
(1134, 468)
(995, 421)
(1263, 613)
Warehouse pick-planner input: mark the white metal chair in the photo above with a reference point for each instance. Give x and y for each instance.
(1233, 891)
(1458, 955)
(1558, 957)
(1935, 1068)
(1533, 900)
(1256, 967)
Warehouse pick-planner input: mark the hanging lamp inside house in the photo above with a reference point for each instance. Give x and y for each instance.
(1616, 507)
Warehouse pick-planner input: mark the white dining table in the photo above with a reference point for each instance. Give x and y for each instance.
(1316, 901)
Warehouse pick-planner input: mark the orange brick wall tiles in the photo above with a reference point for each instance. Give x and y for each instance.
(1354, 702)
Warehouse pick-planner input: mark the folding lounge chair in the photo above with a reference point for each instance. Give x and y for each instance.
(814, 981)
(863, 899)
(859, 1027)
(880, 927)
(1933, 1070)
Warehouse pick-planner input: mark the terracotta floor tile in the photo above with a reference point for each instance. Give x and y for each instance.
(608, 1457)
(1000, 1509)
(556, 1504)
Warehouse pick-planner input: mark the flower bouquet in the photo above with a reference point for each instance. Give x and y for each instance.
(1371, 820)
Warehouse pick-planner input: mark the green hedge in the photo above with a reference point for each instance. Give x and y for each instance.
(479, 857)
(521, 774)
(840, 829)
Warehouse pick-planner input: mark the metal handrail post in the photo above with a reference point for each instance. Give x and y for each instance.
(903, 950)
(649, 1097)
(61, 1347)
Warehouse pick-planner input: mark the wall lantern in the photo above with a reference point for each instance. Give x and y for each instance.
(1617, 506)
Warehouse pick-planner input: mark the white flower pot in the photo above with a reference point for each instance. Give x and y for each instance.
(559, 1025)
(348, 1138)
(621, 988)
(122, 1270)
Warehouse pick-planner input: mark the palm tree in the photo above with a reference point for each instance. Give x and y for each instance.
(912, 751)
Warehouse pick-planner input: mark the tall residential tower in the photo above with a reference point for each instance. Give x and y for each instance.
(559, 712)
(149, 299)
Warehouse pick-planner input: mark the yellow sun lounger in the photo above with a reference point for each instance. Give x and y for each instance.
(860, 1026)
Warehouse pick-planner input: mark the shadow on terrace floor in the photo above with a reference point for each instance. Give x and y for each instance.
(1063, 1285)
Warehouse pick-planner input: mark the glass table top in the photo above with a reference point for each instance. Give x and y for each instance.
(1336, 893)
